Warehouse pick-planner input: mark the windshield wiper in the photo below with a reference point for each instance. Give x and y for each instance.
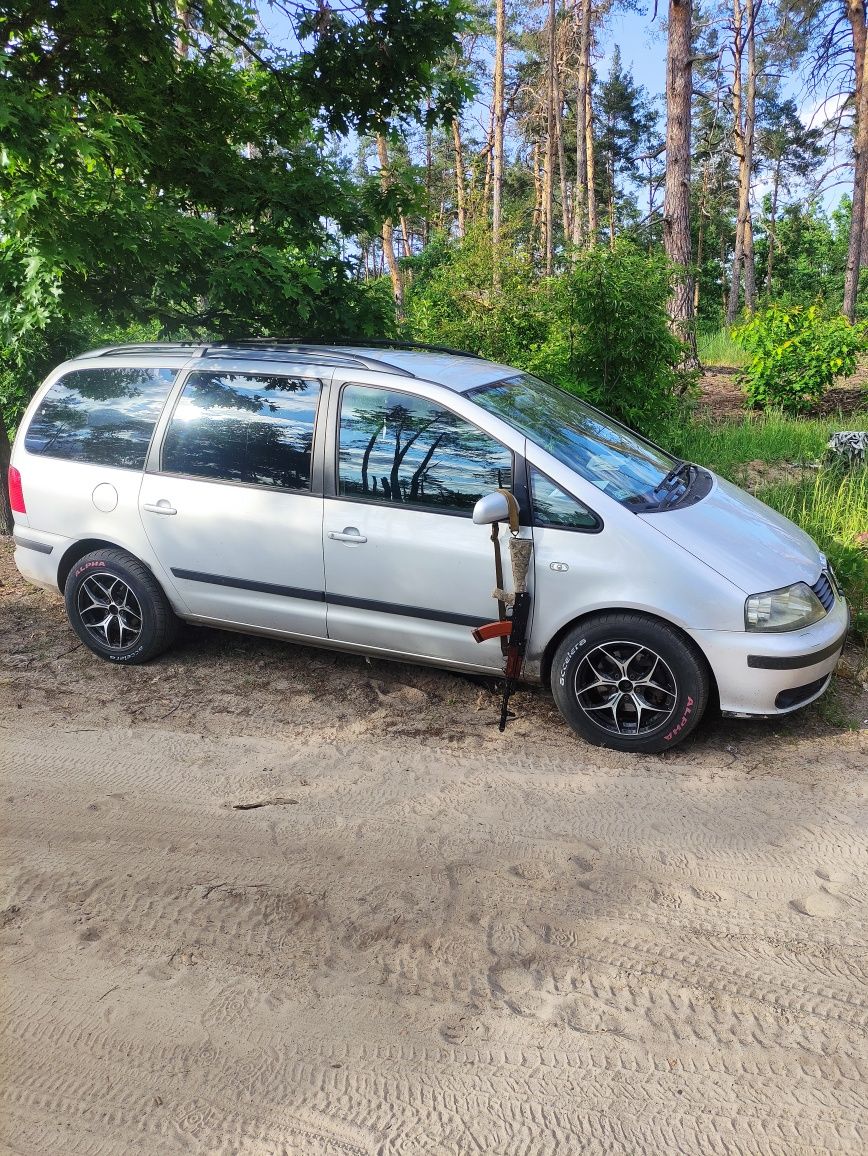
(669, 486)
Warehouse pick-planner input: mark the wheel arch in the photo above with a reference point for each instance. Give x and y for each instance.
(78, 549)
(556, 639)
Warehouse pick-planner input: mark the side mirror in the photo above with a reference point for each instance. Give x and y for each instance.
(492, 508)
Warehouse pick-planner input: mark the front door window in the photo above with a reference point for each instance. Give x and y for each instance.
(408, 451)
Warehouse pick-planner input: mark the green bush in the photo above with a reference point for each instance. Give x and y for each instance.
(796, 354)
(598, 329)
(612, 339)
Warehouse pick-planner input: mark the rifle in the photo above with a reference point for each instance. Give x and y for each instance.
(515, 629)
(512, 631)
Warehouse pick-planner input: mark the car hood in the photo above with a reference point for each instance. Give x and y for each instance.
(754, 547)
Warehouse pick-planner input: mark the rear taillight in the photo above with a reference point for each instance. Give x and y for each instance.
(16, 493)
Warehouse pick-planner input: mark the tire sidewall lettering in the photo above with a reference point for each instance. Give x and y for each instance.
(89, 566)
(686, 712)
(570, 655)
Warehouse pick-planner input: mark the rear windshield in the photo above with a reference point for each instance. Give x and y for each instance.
(104, 416)
(607, 454)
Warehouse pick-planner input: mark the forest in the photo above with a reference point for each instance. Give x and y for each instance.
(493, 178)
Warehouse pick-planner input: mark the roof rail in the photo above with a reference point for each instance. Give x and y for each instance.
(252, 348)
(397, 343)
(145, 347)
(277, 346)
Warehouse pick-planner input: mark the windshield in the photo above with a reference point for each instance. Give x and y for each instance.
(604, 452)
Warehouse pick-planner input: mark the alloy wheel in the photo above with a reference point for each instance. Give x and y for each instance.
(110, 611)
(625, 688)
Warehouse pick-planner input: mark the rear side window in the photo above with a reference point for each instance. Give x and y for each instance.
(241, 427)
(102, 416)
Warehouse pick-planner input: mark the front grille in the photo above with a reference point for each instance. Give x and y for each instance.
(823, 589)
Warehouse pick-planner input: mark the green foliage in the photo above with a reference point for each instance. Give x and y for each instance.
(796, 354)
(599, 329)
(162, 166)
(613, 339)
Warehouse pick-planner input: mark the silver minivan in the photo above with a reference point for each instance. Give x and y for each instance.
(324, 494)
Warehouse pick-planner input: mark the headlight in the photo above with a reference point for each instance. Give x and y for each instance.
(788, 609)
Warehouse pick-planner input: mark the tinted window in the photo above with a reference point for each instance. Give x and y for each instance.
(240, 427)
(553, 506)
(613, 458)
(402, 449)
(104, 416)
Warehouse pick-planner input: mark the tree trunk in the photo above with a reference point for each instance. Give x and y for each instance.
(537, 229)
(773, 226)
(593, 222)
(580, 195)
(429, 160)
(753, 11)
(676, 204)
(498, 117)
(562, 162)
(550, 142)
(388, 240)
(611, 177)
(489, 151)
(738, 145)
(700, 236)
(460, 195)
(856, 17)
(5, 455)
(182, 37)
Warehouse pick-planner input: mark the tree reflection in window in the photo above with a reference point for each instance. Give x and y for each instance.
(103, 416)
(238, 427)
(405, 450)
(607, 454)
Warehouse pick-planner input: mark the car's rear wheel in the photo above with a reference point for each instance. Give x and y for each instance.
(629, 682)
(117, 607)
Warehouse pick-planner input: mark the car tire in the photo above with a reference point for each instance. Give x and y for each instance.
(117, 608)
(630, 682)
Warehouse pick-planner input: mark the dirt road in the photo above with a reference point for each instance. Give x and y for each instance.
(265, 900)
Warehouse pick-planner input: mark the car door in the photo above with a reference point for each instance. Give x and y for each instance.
(229, 502)
(407, 571)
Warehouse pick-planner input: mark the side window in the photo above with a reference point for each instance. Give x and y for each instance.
(554, 507)
(398, 448)
(241, 427)
(103, 416)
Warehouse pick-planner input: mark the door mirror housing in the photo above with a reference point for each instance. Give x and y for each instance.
(491, 508)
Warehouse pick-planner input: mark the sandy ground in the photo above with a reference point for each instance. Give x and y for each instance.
(259, 899)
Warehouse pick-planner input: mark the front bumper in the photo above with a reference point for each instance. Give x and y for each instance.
(755, 671)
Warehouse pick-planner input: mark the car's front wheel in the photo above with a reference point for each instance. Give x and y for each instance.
(117, 607)
(629, 682)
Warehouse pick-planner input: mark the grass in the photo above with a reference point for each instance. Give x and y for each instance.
(725, 446)
(717, 347)
(833, 509)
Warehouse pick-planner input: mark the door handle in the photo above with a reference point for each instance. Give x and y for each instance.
(350, 534)
(161, 507)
